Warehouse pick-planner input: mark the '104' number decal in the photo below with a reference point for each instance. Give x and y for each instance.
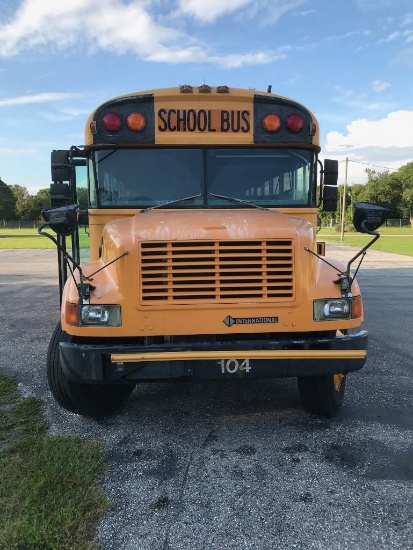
(233, 365)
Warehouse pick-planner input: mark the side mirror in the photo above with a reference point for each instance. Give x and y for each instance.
(330, 198)
(367, 217)
(330, 172)
(60, 166)
(59, 195)
(83, 217)
(63, 220)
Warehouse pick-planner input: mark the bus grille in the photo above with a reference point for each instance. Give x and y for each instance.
(217, 271)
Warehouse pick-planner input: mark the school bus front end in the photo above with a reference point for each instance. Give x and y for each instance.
(204, 264)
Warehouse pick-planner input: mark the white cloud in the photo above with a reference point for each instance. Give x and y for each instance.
(115, 25)
(266, 11)
(386, 143)
(209, 10)
(360, 101)
(380, 85)
(17, 152)
(37, 98)
(367, 5)
(270, 11)
(199, 55)
(260, 58)
(305, 13)
(391, 37)
(125, 27)
(407, 19)
(392, 131)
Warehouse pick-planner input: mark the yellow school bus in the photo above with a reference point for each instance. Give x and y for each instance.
(204, 264)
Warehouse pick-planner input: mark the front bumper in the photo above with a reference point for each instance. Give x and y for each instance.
(214, 361)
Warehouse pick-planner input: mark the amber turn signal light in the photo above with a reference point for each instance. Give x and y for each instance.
(271, 122)
(136, 122)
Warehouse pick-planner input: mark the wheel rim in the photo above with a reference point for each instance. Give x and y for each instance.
(338, 380)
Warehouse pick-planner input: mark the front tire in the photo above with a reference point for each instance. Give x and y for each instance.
(322, 395)
(92, 400)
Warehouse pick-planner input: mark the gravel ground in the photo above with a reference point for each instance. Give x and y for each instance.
(229, 465)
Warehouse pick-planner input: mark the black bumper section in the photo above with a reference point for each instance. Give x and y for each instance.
(92, 363)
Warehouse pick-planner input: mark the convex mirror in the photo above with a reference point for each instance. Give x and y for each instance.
(368, 217)
(62, 220)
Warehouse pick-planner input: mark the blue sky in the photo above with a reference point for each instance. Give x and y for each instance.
(349, 61)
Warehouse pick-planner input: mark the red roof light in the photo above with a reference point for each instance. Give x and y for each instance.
(295, 123)
(112, 122)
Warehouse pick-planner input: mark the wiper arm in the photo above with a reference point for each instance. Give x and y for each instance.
(233, 199)
(183, 199)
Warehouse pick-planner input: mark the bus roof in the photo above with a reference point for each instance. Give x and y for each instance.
(203, 115)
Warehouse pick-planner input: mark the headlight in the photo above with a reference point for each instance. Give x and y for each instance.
(332, 309)
(100, 315)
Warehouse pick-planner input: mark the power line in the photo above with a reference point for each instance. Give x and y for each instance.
(369, 164)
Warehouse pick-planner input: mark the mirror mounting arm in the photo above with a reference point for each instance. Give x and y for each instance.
(363, 251)
(59, 246)
(83, 287)
(345, 280)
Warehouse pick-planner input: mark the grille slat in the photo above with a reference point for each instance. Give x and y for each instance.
(182, 272)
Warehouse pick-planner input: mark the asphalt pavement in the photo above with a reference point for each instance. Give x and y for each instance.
(230, 465)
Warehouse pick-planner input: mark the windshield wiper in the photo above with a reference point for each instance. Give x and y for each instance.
(183, 199)
(233, 199)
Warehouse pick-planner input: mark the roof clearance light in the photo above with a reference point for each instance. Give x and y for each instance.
(112, 122)
(186, 89)
(295, 123)
(271, 122)
(204, 89)
(93, 127)
(136, 122)
(313, 129)
(223, 90)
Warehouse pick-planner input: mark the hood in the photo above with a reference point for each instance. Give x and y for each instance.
(197, 225)
(162, 225)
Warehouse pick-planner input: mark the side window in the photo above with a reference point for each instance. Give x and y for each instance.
(81, 187)
(83, 201)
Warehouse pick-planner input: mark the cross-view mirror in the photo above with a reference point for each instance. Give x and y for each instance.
(63, 220)
(368, 217)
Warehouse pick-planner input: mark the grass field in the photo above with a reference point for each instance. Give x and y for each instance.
(29, 238)
(50, 498)
(398, 240)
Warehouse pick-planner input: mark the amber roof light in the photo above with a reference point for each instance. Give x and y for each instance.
(271, 122)
(136, 122)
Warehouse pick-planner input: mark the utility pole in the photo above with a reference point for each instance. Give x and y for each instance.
(343, 205)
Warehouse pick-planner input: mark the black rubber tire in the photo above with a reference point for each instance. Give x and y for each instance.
(92, 400)
(319, 394)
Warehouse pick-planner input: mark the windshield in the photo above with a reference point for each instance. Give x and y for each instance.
(142, 178)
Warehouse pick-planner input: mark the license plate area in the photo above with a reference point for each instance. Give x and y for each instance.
(234, 366)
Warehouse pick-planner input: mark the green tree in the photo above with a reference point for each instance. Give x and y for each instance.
(82, 198)
(407, 198)
(41, 201)
(23, 202)
(358, 193)
(7, 202)
(385, 189)
(405, 173)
